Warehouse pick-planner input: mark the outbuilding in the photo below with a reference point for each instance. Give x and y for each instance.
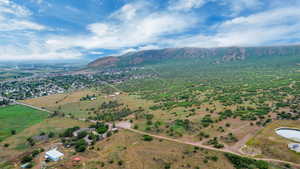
(54, 155)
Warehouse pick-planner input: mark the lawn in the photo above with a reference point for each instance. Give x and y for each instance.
(18, 117)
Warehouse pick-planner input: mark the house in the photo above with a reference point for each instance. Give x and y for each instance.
(54, 155)
(294, 147)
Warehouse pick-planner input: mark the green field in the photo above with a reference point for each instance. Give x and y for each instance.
(17, 117)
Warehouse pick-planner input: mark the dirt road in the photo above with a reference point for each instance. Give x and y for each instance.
(127, 126)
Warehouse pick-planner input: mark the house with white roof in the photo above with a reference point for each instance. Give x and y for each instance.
(54, 155)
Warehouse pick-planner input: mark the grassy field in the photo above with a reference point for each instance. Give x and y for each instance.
(270, 145)
(18, 117)
(58, 99)
(68, 103)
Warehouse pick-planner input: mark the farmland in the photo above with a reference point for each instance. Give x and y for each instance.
(18, 118)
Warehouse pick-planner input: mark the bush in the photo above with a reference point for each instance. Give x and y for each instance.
(80, 145)
(147, 138)
(120, 162)
(102, 129)
(51, 135)
(244, 162)
(13, 132)
(35, 153)
(81, 134)
(26, 159)
(80, 148)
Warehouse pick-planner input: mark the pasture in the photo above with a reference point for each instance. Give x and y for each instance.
(18, 118)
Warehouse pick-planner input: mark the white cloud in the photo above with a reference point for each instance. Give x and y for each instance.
(125, 51)
(9, 7)
(186, 5)
(129, 31)
(142, 26)
(12, 25)
(265, 28)
(95, 53)
(238, 6)
(16, 17)
(127, 12)
(19, 38)
(35, 52)
(149, 47)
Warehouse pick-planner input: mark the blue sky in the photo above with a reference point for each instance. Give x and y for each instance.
(87, 29)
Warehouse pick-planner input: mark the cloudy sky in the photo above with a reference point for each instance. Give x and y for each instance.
(87, 29)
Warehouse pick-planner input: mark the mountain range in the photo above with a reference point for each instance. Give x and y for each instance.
(207, 55)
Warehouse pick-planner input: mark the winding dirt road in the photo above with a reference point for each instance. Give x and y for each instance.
(127, 126)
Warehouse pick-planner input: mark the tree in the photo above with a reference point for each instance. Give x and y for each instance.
(26, 159)
(51, 134)
(80, 148)
(13, 132)
(81, 134)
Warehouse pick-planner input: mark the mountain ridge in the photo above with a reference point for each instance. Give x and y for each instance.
(211, 55)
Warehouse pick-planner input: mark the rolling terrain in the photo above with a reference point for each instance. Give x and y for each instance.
(174, 108)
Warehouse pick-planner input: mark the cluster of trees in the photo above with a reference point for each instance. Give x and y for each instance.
(215, 143)
(79, 142)
(87, 97)
(110, 105)
(206, 120)
(230, 138)
(114, 115)
(4, 102)
(29, 158)
(101, 128)
(244, 162)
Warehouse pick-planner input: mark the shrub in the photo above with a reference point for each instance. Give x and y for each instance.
(147, 138)
(26, 159)
(13, 132)
(80, 148)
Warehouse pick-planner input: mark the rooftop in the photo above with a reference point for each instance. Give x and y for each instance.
(54, 153)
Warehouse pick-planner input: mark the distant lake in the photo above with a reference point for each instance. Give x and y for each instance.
(289, 133)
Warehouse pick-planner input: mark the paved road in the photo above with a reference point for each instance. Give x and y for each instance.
(127, 126)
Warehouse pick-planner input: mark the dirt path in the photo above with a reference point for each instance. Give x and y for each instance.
(127, 126)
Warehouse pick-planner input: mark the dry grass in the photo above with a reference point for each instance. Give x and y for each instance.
(58, 99)
(135, 153)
